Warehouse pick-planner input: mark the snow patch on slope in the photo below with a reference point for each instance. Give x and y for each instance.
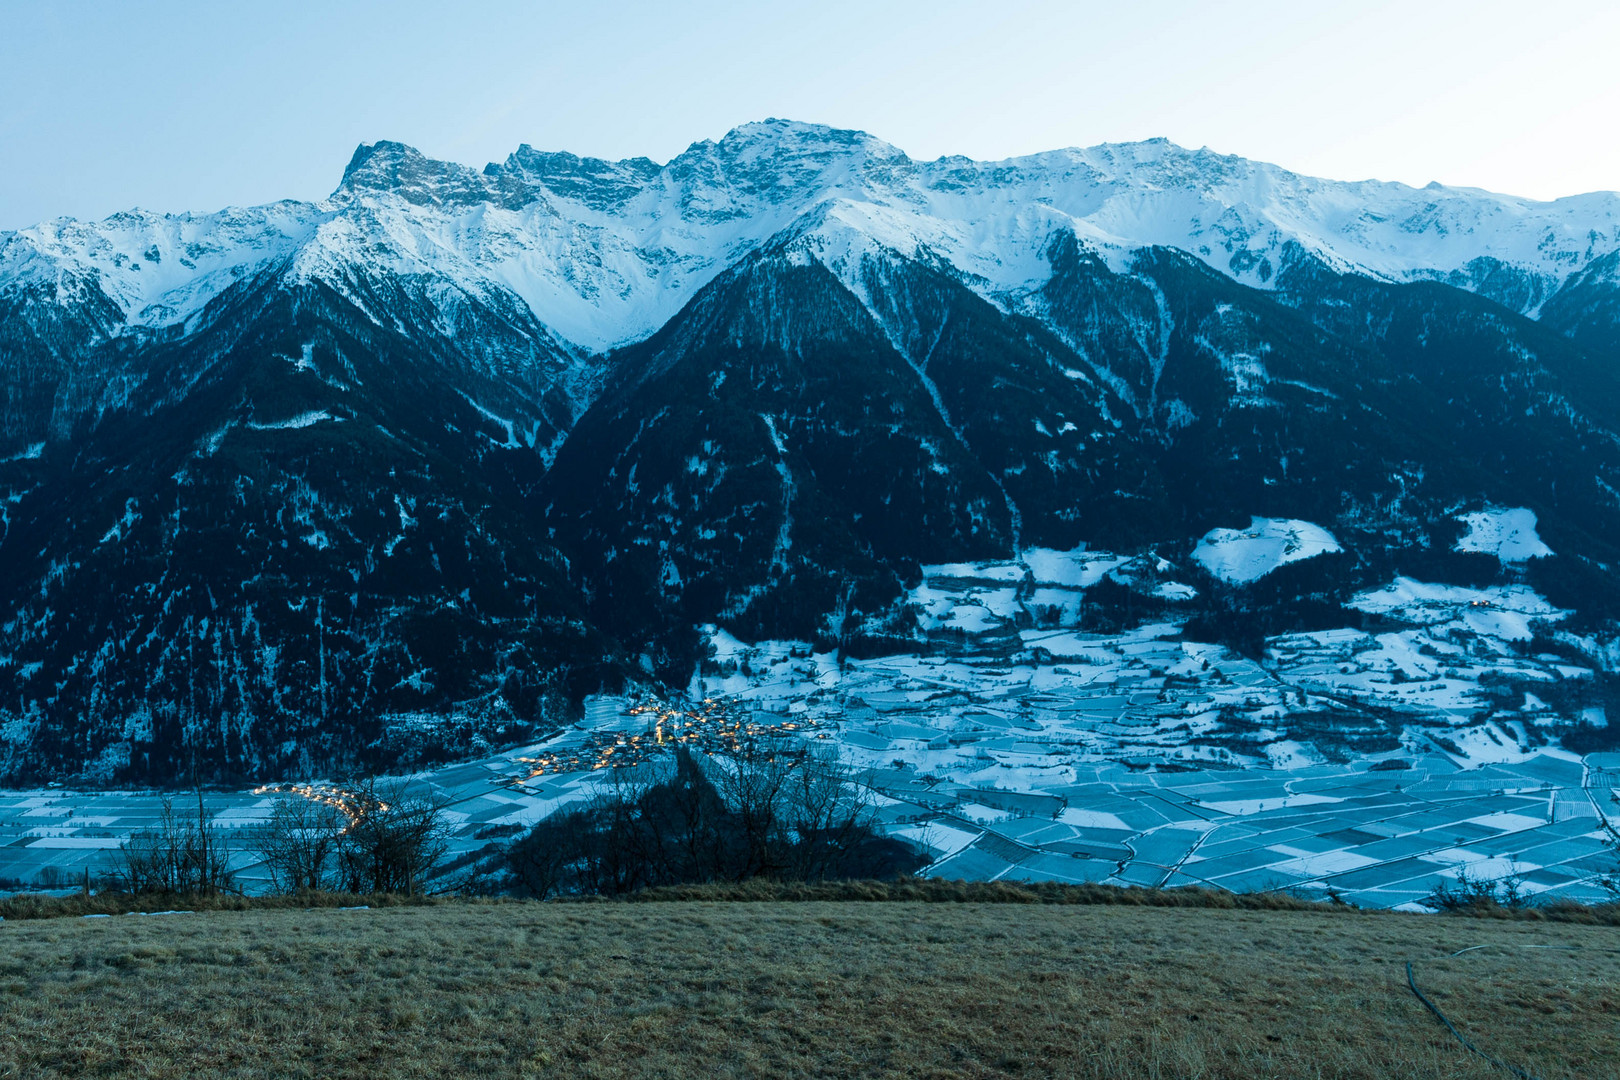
(292, 423)
(1244, 555)
(1509, 534)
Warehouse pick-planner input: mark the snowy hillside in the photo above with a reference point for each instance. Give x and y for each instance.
(603, 253)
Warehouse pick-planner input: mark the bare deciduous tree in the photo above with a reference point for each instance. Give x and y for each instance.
(377, 838)
(300, 844)
(828, 812)
(546, 859)
(180, 856)
(755, 781)
(393, 841)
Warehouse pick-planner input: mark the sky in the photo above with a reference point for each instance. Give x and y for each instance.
(172, 106)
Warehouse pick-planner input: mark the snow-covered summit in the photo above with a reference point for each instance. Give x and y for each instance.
(604, 252)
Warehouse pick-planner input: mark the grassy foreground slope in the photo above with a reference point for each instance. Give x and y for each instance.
(800, 989)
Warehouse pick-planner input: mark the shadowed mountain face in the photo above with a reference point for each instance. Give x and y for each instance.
(781, 455)
(320, 487)
(301, 542)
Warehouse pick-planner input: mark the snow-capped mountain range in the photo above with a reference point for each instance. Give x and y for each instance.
(406, 472)
(605, 252)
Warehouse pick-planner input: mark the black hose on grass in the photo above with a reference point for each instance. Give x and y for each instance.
(1432, 1007)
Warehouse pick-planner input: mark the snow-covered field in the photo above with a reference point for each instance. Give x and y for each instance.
(1033, 704)
(1509, 534)
(1244, 555)
(1498, 613)
(1374, 837)
(1376, 764)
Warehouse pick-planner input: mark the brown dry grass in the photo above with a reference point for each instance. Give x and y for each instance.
(799, 989)
(899, 890)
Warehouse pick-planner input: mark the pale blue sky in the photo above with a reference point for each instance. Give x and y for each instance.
(188, 105)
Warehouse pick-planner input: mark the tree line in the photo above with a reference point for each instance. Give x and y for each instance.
(377, 838)
(777, 809)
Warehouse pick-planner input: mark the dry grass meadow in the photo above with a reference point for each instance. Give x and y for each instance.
(800, 989)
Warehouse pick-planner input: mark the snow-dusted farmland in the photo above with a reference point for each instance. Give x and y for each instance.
(1376, 837)
(1371, 764)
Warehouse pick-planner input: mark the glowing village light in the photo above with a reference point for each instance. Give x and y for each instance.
(714, 724)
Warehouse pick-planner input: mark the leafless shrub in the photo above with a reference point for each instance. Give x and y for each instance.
(181, 856)
(301, 843)
(393, 841)
(799, 810)
(1480, 896)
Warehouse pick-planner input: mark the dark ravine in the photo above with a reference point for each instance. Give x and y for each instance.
(371, 517)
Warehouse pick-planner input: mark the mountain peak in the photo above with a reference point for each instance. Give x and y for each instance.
(778, 160)
(396, 168)
(775, 138)
(596, 182)
(373, 162)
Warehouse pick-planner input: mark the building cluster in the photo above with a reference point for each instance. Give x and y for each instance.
(353, 805)
(714, 726)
